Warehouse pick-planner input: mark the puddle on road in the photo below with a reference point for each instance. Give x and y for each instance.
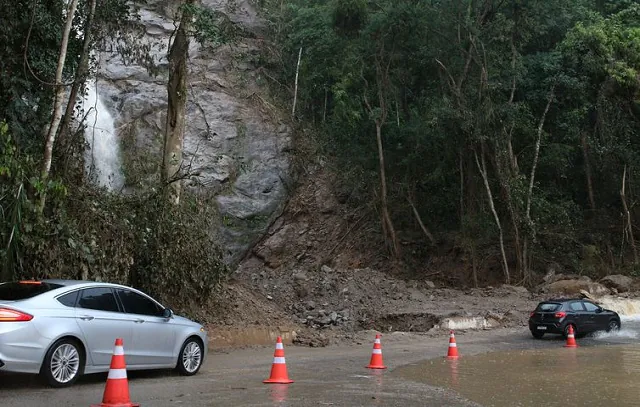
(586, 376)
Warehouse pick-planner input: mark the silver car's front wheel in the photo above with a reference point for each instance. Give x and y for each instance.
(63, 363)
(190, 359)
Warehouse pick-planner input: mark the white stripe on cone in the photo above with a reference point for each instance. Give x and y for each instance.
(377, 351)
(453, 345)
(117, 374)
(278, 360)
(377, 341)
(279, 346)
(118, 351)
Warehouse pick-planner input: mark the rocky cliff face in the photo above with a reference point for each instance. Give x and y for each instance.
(235, 148)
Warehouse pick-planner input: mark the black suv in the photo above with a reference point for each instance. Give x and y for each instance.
(556, 315)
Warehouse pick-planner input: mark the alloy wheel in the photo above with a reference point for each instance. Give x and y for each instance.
(65, 363)
(191, 357)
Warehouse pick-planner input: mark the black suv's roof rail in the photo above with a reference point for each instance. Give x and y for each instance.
(563, 299)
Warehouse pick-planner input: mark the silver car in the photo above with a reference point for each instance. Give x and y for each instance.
(62, 329)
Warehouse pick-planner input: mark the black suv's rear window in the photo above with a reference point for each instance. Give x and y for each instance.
(16, 291)
(548, 306)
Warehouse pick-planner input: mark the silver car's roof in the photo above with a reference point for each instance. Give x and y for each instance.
(70, 283)
(66, 282)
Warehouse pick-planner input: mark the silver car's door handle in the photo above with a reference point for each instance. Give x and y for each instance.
(86, 317)
(138, 321)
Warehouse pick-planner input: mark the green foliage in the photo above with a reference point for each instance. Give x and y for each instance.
(169, 252)
(210, 27)
(459, 80)
(349, 16)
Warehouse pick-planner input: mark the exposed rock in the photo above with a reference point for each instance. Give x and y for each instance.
(574, 287)
(617, 281)
(232, 147)
(417, 295)
(271, 249)
(300, 276)
(326, 269)
(430, 284)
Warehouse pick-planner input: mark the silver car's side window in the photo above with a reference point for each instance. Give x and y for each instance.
(69, 299)
(98, 298)
(135, 303)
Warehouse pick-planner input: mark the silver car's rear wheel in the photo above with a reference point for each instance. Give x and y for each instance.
(190, 359)
(63, 363)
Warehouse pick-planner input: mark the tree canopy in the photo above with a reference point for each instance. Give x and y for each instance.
(507, 123)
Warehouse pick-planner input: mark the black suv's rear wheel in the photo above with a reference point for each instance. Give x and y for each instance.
(537, 334)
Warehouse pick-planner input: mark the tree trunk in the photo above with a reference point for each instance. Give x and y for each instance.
(628, 217)
(425, 230)
(474, 265)
(386, 218)
(295, 91)
(176, 111)
(531, 232)
(461, 169)
(483, 171)
(83, 67)
(52, 130)
(587, 168)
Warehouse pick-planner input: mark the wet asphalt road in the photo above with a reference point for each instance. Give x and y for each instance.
(331, 376)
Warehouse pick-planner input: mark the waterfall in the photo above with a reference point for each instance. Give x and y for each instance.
(628, 308)
(102, 158)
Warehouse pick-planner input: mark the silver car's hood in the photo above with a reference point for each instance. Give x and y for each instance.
(184, 321)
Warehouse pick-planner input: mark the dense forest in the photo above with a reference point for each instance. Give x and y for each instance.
(506, 129)
(503, 132)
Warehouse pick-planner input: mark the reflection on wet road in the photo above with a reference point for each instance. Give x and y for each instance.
(604, 370)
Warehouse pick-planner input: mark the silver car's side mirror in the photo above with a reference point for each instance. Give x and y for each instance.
(168, 313)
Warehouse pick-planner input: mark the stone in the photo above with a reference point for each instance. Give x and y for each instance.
(618, 282)
(417, 295)
(310, 305)
(300, 276)
(430, 284)
(326, 269)
(333, 316)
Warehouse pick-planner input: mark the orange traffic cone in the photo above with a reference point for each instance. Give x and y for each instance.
(452, 353)
(116, 392)
(571, 339)
(376, 355)
(279, 367)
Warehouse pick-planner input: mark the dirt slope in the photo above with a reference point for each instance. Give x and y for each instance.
(310, 274)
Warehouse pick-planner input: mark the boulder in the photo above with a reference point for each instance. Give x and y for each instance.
(575, 287)
(617, 281)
